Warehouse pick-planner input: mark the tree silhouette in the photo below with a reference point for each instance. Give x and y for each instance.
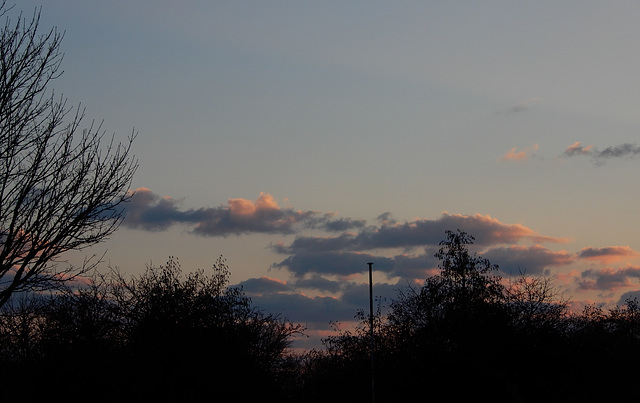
(195, 330)
(466, 334)
(60, 188)
(163, 334)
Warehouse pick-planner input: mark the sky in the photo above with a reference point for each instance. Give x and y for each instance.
(301, 140)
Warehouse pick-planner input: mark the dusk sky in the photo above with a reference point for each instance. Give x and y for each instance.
(301, 140)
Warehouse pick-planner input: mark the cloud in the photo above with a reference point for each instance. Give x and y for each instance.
(288, 300)
(523, 155)
(346, 264)
(245, 216)
(608, 279)
(334, 263)
(417, 233)
(577, 149)
(347, 254)
(148, 211)
(607, 254)
(263, 285)
(630, 295)
(519, 107)
(300, 308)
(531, 260)
(329, 223)
(626, 150)
(317, 244)
(486, 230)
(319, 283)
(623, 150)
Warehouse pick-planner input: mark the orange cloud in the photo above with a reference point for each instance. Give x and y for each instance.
(495, 231)
(241, 207)
(577, 149)
(244, 207)
(515, 155)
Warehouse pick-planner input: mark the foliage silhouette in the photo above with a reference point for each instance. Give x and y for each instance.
(164, 335)
(467, 334)
(464, 334)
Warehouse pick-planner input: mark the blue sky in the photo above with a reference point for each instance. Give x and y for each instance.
(303, 139)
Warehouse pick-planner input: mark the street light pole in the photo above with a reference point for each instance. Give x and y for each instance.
(373, 340)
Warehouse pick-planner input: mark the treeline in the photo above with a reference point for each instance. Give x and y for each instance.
(161, 336)
(466, 334)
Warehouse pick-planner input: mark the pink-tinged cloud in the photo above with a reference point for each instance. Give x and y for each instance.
(417, 233)
(245, 216)
(530, 260)
(568, 279)
(345, 254)
(485, 229)
(609, 254)
(148, 211)
(151, 212)
(522, 155)
(244, 207)
(577, 149)
(609, 279)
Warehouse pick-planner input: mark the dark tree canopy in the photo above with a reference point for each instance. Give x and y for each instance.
(464, 335)
(467, 334)
(61, 187)
(165, 335)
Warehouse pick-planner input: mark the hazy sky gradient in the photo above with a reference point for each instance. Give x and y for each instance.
(303, 139)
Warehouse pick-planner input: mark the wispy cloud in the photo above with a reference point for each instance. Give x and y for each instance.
(521, 155)
(626, 150)
(519, 107)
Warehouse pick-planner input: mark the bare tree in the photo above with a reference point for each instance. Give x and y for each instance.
(61, 188)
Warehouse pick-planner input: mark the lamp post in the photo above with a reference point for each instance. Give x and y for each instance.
(373, 340)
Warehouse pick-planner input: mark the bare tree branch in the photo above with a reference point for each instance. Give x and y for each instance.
(60, 188)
